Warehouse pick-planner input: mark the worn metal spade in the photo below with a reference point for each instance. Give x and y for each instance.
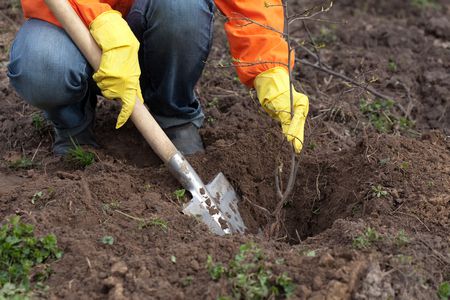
(214, 204)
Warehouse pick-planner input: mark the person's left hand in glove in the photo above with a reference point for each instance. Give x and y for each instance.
(272, 88)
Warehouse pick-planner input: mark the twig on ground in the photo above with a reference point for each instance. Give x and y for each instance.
(35, 152)
(11, 21)
(415, 217)
(441, 257)
(345, 78)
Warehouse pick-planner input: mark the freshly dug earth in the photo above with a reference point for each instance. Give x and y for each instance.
(351, 176)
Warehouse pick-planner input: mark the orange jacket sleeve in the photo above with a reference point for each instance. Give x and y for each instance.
(255, 48)
(88, 10)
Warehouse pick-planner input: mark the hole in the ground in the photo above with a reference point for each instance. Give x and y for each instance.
(326, 191)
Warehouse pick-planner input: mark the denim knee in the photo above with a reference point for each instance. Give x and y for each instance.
(177, 23)
(46, 68)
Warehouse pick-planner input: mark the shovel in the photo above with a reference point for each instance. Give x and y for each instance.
(215, 204)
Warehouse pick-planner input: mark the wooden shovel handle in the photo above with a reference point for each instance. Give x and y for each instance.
(81, 36)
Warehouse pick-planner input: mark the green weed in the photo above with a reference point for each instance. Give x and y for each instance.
(392, 66)
(379, 114)
(81, 157)
(312, 146)
(249, 276)
(20, 251)
(213, 103)
(180, 195)
(444, 291)
(37, 196)
(366, 239)
(173, 259)
(187, 281)
(14, 292)
(402, 239)
(108, 208)
(378, 191)
(38, 121)
(424, 3)
(404, 166)
(309, 253)
(403, 259)
(107, 240)
(157, 222)
(325, 37)
(22, 163)
(405, 124)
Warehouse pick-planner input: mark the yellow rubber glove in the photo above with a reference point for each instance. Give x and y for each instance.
(118, 75)
(272, 88)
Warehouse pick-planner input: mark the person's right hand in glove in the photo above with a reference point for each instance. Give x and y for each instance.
(272, 88)
(119, 71)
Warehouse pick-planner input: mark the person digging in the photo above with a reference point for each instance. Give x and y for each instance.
(169, 40)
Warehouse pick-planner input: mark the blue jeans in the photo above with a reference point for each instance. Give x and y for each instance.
(50, 73)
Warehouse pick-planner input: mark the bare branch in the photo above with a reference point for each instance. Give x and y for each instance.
(323, 9)
(364, 86)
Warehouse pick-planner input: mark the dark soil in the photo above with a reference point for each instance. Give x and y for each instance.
(351, 176)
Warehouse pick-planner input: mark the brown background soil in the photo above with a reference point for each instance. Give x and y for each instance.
(332, 203)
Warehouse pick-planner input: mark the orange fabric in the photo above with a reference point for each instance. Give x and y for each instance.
(254, 49)
(88, 10)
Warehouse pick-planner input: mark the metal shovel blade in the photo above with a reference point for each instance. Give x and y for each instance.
(214, 204)
(228, 200)
(223, 195)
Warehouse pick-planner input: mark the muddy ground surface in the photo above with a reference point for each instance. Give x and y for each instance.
(356, 172)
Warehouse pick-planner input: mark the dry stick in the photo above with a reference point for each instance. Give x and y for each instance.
(6, 17)
(345, 78)
(312, 16)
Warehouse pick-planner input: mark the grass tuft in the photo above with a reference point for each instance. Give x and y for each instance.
(81, 157)
(250, 277)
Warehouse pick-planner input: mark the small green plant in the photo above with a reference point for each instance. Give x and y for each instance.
(210, 120)
(402, 239)
(309, 253)
(156, 222)
(405, 124)
(14, 292)
(180, 195)
(38, 121)
(384, 161)
(20, 251)
(22, 163)
(37, 196)
(249, 276)
(379, 114)
(107, 240)
(444, 291)
(379, 192)
(187, 281)
(173, 259)
(215, 270)
(326, 36)
(366, 239)
(392, 66)
(424, 3)
(312, 146)
(403, 259)
(213, 103)
(80, 156)
(404, 166)
(108, 208)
